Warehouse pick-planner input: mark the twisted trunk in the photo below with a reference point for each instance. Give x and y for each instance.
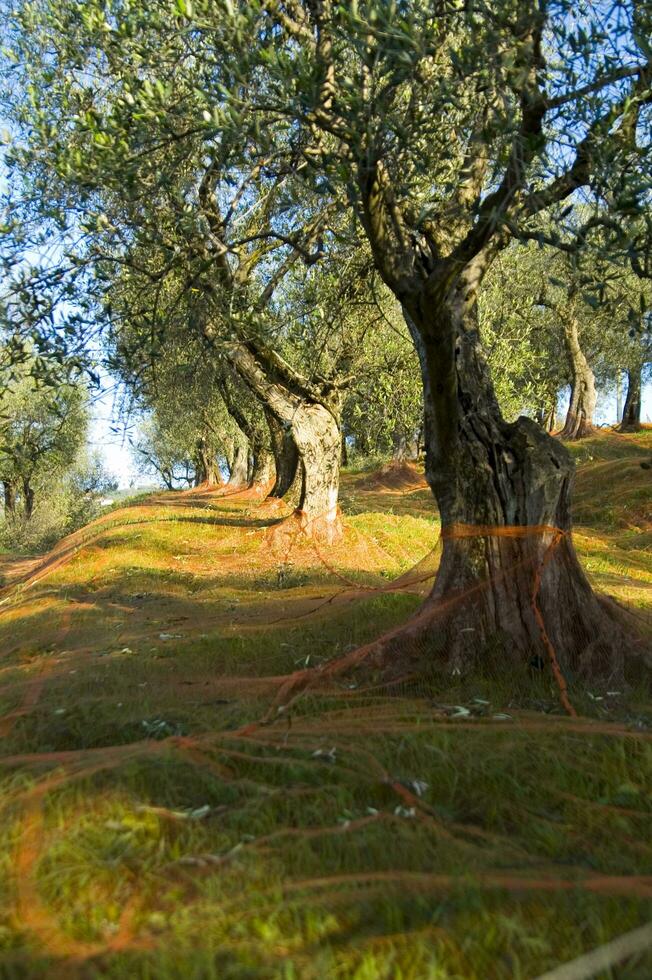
(509, 577)
(9, 500)
(28, 499)
(286, 458)
(399, 446)
(631, 421)
(546, 415)
(317, 437)
(239, 464)
(313, 426)
(263, 467)
(260, 461)
(579, 418)
(207, 471)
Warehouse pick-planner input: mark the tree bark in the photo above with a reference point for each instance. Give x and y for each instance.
(207, 471)
(547, 414)
(579, 418)
(317, 436)
(239, 469)
(509, 579)
(286, 458)
(399, 446)
(315, 431)
(9, 499)
(28, 499)
(260, 468)
(631, 421)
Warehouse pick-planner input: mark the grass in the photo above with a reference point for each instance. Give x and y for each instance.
(155, 828)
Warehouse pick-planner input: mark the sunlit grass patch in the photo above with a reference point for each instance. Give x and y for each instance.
(175, 812)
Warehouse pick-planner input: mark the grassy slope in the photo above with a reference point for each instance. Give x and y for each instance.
(150, 834)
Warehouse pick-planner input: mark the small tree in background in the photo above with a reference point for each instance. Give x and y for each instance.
(42, 429)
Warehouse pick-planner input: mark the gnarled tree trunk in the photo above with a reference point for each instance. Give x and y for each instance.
(9, 499)
(579, 418)
(239, 463)
(314, 429)
(399, 446)
(260, 462)
(509, 576)
(546, 415)
(286, 458)
(262, 467)
(207, 471)
(28, 499)
(319, 444)
(631, 421)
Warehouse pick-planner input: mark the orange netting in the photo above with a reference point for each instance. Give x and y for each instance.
(313, 719)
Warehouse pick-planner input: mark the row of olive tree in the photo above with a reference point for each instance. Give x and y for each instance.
(549, 323)
(51, 482)
(227, 152)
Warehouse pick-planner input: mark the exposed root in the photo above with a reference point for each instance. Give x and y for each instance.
(299, 526)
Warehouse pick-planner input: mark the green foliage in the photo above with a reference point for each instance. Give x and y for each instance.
(223, 153)
(43, 427)
(51, 484)
(383, 410)
(530, 296)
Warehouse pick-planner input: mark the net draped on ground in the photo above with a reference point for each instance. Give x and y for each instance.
(312, 719)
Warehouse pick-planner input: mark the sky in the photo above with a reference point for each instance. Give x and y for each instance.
(108, 436)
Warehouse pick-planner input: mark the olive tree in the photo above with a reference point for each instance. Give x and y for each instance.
(444, 130)
(43, 427)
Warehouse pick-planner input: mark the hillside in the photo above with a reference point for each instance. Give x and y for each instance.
(175, 808)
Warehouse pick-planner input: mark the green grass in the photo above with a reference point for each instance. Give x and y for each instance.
(459, 829)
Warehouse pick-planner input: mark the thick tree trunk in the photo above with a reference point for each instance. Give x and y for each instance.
(509, 579)
(260, 461)
(9, 500)
(213, 475)
(262, 468)
(286, 458)
(579, 418)
(207, 471)
(239, 468)
(399, 446)
(631, 421)
(28, 499)
(319, 443)
(546, 415)
(315, 431)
